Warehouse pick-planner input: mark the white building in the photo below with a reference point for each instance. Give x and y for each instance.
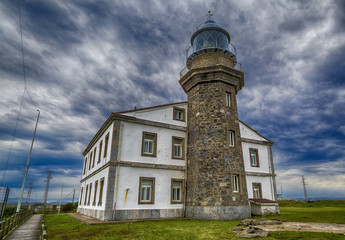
(156, 163)
(135, 166)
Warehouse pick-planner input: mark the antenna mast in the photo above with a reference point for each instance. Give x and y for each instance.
(29, 195)
(305, 189)
(46, 191)
(27, 166)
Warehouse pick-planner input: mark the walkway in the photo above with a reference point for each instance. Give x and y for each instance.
(30, 230)
(91, 221)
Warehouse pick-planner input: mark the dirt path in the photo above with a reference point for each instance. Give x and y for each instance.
(306, 226)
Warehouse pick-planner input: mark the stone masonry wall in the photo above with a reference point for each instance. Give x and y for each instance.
(211, 161)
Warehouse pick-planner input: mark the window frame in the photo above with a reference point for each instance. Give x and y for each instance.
(231, 132)
(182, 146)
(90, 157)
(172, 201)
(183, 114)
(95, 193)
(90, 190)
(228, 100)
(256, 156)
(100, 151)
(237, 185)
(81, 196)
(101, 188)
(260, 189)
(85, 165)
(87, 189)
(106, 142)
(152, 200)
(94, 156)
(154, 145)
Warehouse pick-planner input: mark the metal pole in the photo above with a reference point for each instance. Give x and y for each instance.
(305, 189)
(4, 203)
(27, 166)
(73, 196)
(60, 200)
(46, 191)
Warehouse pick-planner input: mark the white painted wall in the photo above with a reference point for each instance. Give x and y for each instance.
(132, 143)
(246, 132)
(266, 186)
(93, 179)
(129, 178)
(104, 160)
(264, 158)
(160, 114)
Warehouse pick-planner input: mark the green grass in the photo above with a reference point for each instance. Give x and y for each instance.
(312, 214)
(319, 203)
(65, 227)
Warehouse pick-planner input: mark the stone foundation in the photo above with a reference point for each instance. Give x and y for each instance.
(98, 214)
(217, 212)
(132, 214)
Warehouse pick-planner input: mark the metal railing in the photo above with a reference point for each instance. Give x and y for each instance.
(190, 53)
(185, 69)
(43, 233)
(9, 224)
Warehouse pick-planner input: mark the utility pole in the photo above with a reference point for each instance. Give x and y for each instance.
(46, 191)
(73, 196)
(27, 166)
(29, 195)
(305, 189)
(60, 200)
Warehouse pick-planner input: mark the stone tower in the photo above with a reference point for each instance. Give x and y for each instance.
(216, 183)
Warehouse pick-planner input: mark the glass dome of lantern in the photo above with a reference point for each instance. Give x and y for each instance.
(210, 37)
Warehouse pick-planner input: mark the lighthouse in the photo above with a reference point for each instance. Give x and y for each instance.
(216, 186)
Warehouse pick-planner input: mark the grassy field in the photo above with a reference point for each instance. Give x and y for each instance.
(64, 227)
(316, 211)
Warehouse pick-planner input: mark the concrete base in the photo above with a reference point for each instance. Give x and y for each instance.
(132, 214)
(217, 212)
(264, 209)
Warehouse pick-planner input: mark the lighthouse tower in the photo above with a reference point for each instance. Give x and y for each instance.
(216, 182)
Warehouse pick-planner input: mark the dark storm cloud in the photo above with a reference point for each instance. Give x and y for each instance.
(85, 60)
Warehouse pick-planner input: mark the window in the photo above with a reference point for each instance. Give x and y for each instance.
(100, 152)
(85, 163)
(177, 191)
(88, 201)
(179, 114)
(101, 184)
(81, 196)
(228, 99)
(94, 156)
(177, 148)
(235, 183)
(146, 190)
(95, 194)
(254, 157)
(106, 145)
(231, 138)
(90, 157)
(87, 188)
(257, 191)
(149, 144)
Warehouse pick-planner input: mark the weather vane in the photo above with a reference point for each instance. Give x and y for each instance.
(209, 15)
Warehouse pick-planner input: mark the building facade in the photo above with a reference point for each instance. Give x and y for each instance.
(191, 159)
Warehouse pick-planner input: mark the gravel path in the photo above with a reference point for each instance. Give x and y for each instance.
(306, 227)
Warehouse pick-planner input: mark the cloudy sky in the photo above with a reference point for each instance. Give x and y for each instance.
(86, 59)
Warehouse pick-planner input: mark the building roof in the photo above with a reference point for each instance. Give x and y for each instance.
(119, 116)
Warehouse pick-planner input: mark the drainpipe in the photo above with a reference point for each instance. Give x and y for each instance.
(117, 171)
(273, 175)
(270, 170)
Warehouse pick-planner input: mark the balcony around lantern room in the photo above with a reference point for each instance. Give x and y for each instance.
(200, 47)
